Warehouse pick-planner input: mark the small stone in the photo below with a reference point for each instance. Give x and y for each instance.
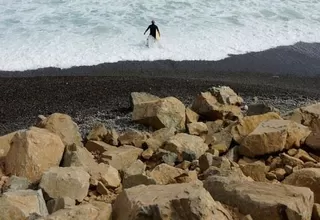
(292, 152)
(184, 165)
(271, 176)
(147, 154)
(233, 154)
(197, 128)
(304, 156)
(194, 164)
(54, 205)
(191, 116)
(170, 158)
(205, 161)
(164, 174)
(280, 173)
(187, 177)
(247, 217)
(214, 152)
(15, 183)
(97, 133)
(133, 137)
(289, 160)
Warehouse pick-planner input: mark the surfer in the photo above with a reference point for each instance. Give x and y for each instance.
(153, 30)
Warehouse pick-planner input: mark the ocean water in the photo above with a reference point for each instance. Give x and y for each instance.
(65, 33)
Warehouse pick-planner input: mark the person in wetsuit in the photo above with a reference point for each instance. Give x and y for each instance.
(153, 28)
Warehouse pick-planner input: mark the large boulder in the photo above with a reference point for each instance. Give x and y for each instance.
(19, 205)
(187, 147)
(225, 95)
(305, 115)
(261, 200)
(64, 127)
(313, 140)
(72, 182)
(77, 156)
(308, 177)
(273, 136)
(247, 125)
(191, 116)
(175, 201)
(32, 152)
(141, 97)
(121, 157)
(209, 107)
(166, 112)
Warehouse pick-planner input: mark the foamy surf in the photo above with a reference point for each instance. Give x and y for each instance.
(63, 33)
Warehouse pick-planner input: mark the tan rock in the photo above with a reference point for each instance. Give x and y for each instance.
(32, 152)
(98, 132)
(222, 141)
(111, 137)
(147, 154)
(261, 199)
(273, 136)
(208, 106)
(19, 205)
(308, 177)
(291, 161)
(304, 156)
(5, 142)
(133, 137)
(105, 173)
(72, 182)
(187, 147)
(159, 137)
(166, 112)
(60, 203)
(271, 176)
(248, 124)
(316, 212)
(141, 97)
(184, 165)
(256, 170)
(187, 177)
(288, 169)
(215, 126)
(102, 189)
(205, 161)
(139, 201)
(64, 127)
(121, 157)
(197, 128)
(292, 152)
(225, 95)
(85, 211)
(191, 116)
(280, 173)
(98, 146)
(165, 174)
(305, 115)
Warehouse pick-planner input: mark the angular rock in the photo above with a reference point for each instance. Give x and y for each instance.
(54, 205)
(167, 112)
(187, 177)
(159, 137)
(98, 146)
(308, 177)
(280, 173)
(133, 137)
(175, 201)
(5, 142)
(304, 156)
(72, 182)
(262, 200)
(208, 106)
(77, 156)
(111, 137)
(226, 96)
(121, 157)
(97, 133)
(191, 116)
(141, 97)
(261, 108)
(147, 154)
(273, 136)
(205, 161)
(165, 174)
(248, 124)
(19, 205)
(222, 141)
(32, 152)
(233, 154)
(197, 128)
(64, 127)
(105, 173)
(215, 126)
(256, 170)
(101, 189)
(305, 115)
(16, 183)
(292, 152)
(187, 147)
(291, 161)
(85, 211)
(288, 169)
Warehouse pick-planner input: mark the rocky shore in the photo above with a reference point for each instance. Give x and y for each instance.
(213, 155)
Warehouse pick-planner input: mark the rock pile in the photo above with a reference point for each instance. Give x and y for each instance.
(215, 159)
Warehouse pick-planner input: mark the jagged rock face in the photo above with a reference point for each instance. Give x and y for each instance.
(32, 152)
(262, 200)
(177, 201)
(166, 112)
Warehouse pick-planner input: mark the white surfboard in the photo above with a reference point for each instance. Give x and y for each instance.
(157, 35)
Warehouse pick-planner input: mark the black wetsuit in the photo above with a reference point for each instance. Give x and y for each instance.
(153, 28)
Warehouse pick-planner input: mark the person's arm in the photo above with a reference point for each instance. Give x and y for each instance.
(158, 31)
(146, 30)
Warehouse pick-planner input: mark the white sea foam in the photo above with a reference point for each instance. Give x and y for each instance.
(64, 33)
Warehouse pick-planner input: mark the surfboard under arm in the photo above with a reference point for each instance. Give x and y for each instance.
(157, 35)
